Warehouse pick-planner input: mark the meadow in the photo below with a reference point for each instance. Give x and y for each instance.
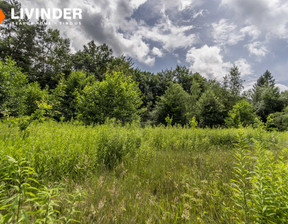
(70, 173)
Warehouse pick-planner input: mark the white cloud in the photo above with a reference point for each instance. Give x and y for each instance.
(150, 61)
(136, 3)
(105, 21)
(157, 52)
(257, 49)
(268, 16)
(248, 85)
(208, 61)
(133, 37)
(171, 36)
(184, 4)
(251, 31)
(199, 13)
(244, 67)
(178, 5)
(282, 87)
(226, 33)
(137, 48)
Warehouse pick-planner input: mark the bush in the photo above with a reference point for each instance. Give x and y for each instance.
(210, 110)
(33, 96)
(117, 96)
(241, 115)
(172, 104)
(64, 96)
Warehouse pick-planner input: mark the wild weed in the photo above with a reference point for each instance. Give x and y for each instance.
(24, 200)
(260, 184)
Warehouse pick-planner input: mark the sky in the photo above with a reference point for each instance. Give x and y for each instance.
(208, 36)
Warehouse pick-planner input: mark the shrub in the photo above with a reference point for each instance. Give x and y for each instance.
(241, 115)
(210, 110)
(172, 104)
(117, 96)
(33, 95)
(64, 96)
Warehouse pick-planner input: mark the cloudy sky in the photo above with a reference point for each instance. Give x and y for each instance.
(208, 36)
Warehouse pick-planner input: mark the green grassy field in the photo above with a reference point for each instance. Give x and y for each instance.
(68, 173)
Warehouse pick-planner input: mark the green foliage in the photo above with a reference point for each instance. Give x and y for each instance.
(190, 168)
(173, 104)
(24, 200)
(16, 95)
(268, 102)
(41, 52)
(151, 88)
(46, 58)
(17, 38)
(210, 110)
(114, 145)
(131, 174)
(198, 86)
(278, 121)
(93, 59)
(240, 184)
(19, 179)
(260, 184)
(180, 75)
(12, 88)
(64, 96)
(284, 98)
(43, 112)
(233, 81)
(266, 97)
(242, 114)
(74, 85)
(53, 56)
(265, 80)
(33, 95)
(115, 97)
(193, 123)
(169, 121)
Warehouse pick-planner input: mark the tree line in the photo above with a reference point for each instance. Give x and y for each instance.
(40, 76)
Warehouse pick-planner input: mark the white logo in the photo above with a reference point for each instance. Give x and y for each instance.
(46, 14)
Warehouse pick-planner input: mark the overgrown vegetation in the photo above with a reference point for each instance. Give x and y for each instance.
(128, 174)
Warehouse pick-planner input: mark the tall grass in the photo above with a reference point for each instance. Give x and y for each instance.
(127, 174)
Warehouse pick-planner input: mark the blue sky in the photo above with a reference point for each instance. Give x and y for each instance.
(208, 36)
